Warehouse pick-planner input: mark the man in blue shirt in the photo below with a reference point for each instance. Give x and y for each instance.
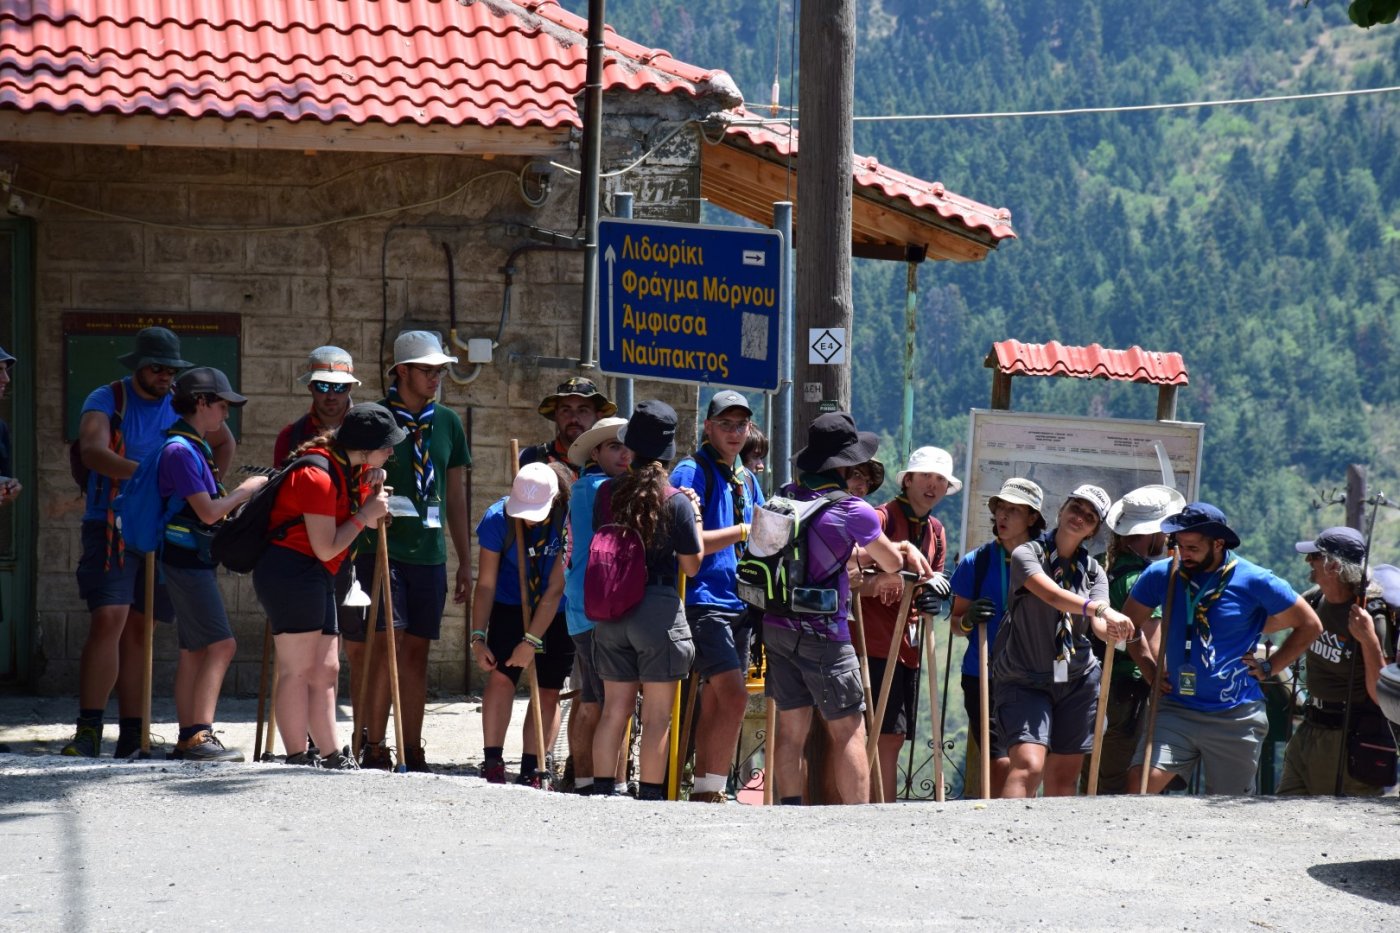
(1211, 708)
(713, 608)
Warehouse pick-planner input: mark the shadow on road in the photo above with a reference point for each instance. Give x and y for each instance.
(1374, 879)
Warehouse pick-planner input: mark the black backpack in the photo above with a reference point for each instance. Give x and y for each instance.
(243, 537)
(775, 563)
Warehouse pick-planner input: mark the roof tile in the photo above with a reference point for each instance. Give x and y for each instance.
(1092, 362)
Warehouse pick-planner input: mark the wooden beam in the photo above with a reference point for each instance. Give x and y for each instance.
(107, 129)
(1166, 403)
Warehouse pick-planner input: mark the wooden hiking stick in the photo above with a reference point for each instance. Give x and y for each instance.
(872, 741)
(392, 660)
(1154, 698)
(770, 752)
(687, 724)
(931, 662)
(858, 637)
(147, 673)
(984, 702)
(525, 611)
(262, 691)
(359, 692)
(271, 733)
(1105, 680)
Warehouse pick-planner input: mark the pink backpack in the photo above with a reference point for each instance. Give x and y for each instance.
(615, 577)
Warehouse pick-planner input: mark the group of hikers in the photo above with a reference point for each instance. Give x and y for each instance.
(618, 570)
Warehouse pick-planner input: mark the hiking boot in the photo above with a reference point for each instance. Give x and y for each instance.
(416, 759)
(494, 771)
(340, 761)
(205, 746)
(306, 759)
(708, 796)
(376, 756)
(127, 745)
(86, 743)
(531, 780)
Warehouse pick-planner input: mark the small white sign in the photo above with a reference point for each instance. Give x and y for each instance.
(755, 257)
(826, 346)
(811, 391)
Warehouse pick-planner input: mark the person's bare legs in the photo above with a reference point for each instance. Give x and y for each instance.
(1027, 766)
(413, 687)
(100, 664)
(497, 702)
(852, 765)
(789, 764)
(619, 700)
(199, 676)
(889, 748)
(657, 702)
(1062, 774)
(1157, 779)
(583, 727)
(721, 721)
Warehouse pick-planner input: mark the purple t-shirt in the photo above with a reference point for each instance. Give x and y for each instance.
(830, 541)
(183, 473)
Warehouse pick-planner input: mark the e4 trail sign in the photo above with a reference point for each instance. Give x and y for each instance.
(690, 303)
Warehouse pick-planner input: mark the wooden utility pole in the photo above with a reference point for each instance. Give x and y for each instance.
(826, 90)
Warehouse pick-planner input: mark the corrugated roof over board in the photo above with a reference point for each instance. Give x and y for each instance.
(1092, 362)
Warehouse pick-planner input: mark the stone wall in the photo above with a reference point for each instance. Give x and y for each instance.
(288, 240)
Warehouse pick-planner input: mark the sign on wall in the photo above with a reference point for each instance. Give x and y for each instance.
(689, 303)
(1060, 452)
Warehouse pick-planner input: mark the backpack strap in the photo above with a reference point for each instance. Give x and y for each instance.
(319, 462)
(825, 502)
(981, 563)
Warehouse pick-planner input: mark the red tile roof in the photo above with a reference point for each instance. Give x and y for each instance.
(1092, 362)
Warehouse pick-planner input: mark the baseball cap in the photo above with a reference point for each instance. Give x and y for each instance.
(726, 400)
(206, 380)
(532, 492)
(1340, 542)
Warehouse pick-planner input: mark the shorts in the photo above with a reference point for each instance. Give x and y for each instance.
(1057, 716)
(506, 631)
(972, 705)
(296, 592)
(590, 685)
(721, 639)
(200, 619)
(119, 586)
(1310, 765)
(1225, 742)
(419, 592)
(904, 694)
(805, 670)
(651, 644)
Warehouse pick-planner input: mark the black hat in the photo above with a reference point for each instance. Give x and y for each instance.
(833, 441)
(651, 431)
(155, 346)
(723, 401)
(1202, 518)
(583, 388)
(206, 380)
(1341, 542)
(368, 426)
(5, 357)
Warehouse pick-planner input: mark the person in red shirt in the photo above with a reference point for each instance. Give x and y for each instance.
(320, 515)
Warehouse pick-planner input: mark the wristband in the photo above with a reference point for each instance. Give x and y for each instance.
(478, 635)
(1085, 611)
(963, 624)
(534, 640)
(359, 522)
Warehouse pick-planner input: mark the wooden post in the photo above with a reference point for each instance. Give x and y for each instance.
(1166, 403)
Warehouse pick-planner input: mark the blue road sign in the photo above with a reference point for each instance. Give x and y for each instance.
(689, 303)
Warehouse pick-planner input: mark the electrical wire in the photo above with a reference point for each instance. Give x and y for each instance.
(640, 159)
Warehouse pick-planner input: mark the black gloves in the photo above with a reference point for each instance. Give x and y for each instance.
(927, 601)
(979, 612)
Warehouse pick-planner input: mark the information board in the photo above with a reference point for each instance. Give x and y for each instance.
(1060, 452)
(689, 303)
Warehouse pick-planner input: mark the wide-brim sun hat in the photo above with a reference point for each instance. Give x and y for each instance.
(419, 346)
(578, 387)
(1019, 491)
(532, 492)
(833, 441)
(155, 346)
(1202, 518)
(329, 364)
(651, 431)
(369, 426)
(1142, 510)
(5, 357)
(931, 460)
(206, 380)
(603, 430)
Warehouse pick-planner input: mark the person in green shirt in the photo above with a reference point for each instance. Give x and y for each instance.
(429, 468)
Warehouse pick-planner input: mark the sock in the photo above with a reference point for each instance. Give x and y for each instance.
(495, 752)
(189, 732)
(90, 718)
(604, 787)
(129, 726)
(583, 787)
(789, 801)
(646, 791)
(710, 783)
(529, 764)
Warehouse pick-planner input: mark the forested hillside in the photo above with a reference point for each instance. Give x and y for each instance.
(1259, 241)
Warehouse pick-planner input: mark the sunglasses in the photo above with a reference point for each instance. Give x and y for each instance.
(325, 388)
(157, 370)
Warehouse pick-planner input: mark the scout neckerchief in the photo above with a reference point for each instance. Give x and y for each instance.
(181, 428)
(1199, 598)
(536, 541)
(1071, 578)
(821, 482)
(591, 468)
(420, 428)
(738, 495)
(918, 527)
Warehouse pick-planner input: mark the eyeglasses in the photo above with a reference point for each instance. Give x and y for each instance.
(339, 388)
(1309, 558)
(731, 427)
(156, 369)
(427, 370)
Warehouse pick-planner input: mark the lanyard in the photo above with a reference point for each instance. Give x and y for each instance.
(1201, 601)
(1005, 564)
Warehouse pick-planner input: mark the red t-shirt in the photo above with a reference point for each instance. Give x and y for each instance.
(308, 490)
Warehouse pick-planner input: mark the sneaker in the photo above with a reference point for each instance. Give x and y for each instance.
(377, 757)
(340, 761)
(708, 796)
(417, 760)
(531, 780)
(127, 745)
(86, 743)
(494, 771)
(205, 746)
(306, 759)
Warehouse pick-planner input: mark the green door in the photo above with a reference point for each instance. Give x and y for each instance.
(17, 521)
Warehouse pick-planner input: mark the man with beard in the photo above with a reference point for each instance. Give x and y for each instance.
(1211, 708)
(330, 378)
(573, 408)
(121, 423)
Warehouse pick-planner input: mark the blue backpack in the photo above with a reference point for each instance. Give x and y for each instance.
(142, 513)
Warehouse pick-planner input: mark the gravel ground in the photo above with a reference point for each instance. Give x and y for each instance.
(164, 845)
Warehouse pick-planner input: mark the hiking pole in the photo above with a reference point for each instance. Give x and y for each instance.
(858, 636)
(984, 712)
(392, 658)
(872, 741)
(525, 611)
(1105, 679)
(359, 692)
(770, 752)
(271, 733)
(147, 674)
(262, 691)
(1376, 501)
(1154, 698)
(687, 722)
(931, 662)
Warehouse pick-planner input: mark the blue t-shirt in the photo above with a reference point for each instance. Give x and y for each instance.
(1236, 620)
(995, 580)
(582, 495)
(716, 584)
(143, 429)
(491, 532)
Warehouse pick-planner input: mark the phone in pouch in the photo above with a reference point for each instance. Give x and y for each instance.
(1186, 680)
(811, 600)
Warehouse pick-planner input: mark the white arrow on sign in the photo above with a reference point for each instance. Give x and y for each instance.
(610, 257)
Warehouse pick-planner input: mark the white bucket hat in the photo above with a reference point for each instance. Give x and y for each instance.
(931, 460)
(328, 364)
(532, 493)
(603, 430)
(1141, 511)
(419, 346)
